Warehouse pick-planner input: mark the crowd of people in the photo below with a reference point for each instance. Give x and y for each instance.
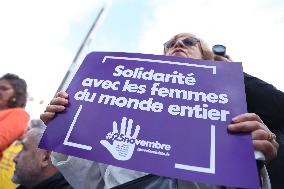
(36, 168)
(19, 138)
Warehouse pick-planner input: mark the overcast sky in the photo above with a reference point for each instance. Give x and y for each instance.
(39, 38)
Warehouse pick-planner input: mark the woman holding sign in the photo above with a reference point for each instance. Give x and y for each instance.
(87, 174)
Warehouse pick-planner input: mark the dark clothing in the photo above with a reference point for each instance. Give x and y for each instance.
(56, 181)
(268, 102)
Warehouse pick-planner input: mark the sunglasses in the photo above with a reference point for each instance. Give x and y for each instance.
(190, 41)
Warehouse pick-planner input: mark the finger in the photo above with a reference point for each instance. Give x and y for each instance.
(129, 128)
(267, 148)
(114, 127)
(275, 144)
(260, 134)
(136, 132)
(46, 117)
(247, 126)
(123, 125)
(59, 101)
(246, 117)
(54, 108)
(62, 94)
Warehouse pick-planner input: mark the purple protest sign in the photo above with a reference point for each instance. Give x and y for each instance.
(157, 114)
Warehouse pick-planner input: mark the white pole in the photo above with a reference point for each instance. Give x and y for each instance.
(81, 53)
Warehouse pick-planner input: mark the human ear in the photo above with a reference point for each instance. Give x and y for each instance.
(45, 158)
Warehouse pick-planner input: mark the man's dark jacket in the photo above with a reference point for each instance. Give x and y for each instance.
(56, 181)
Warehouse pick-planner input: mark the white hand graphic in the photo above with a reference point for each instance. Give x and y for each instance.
(123, 143)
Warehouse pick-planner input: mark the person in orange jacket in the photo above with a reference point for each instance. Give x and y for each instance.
(13, 117)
